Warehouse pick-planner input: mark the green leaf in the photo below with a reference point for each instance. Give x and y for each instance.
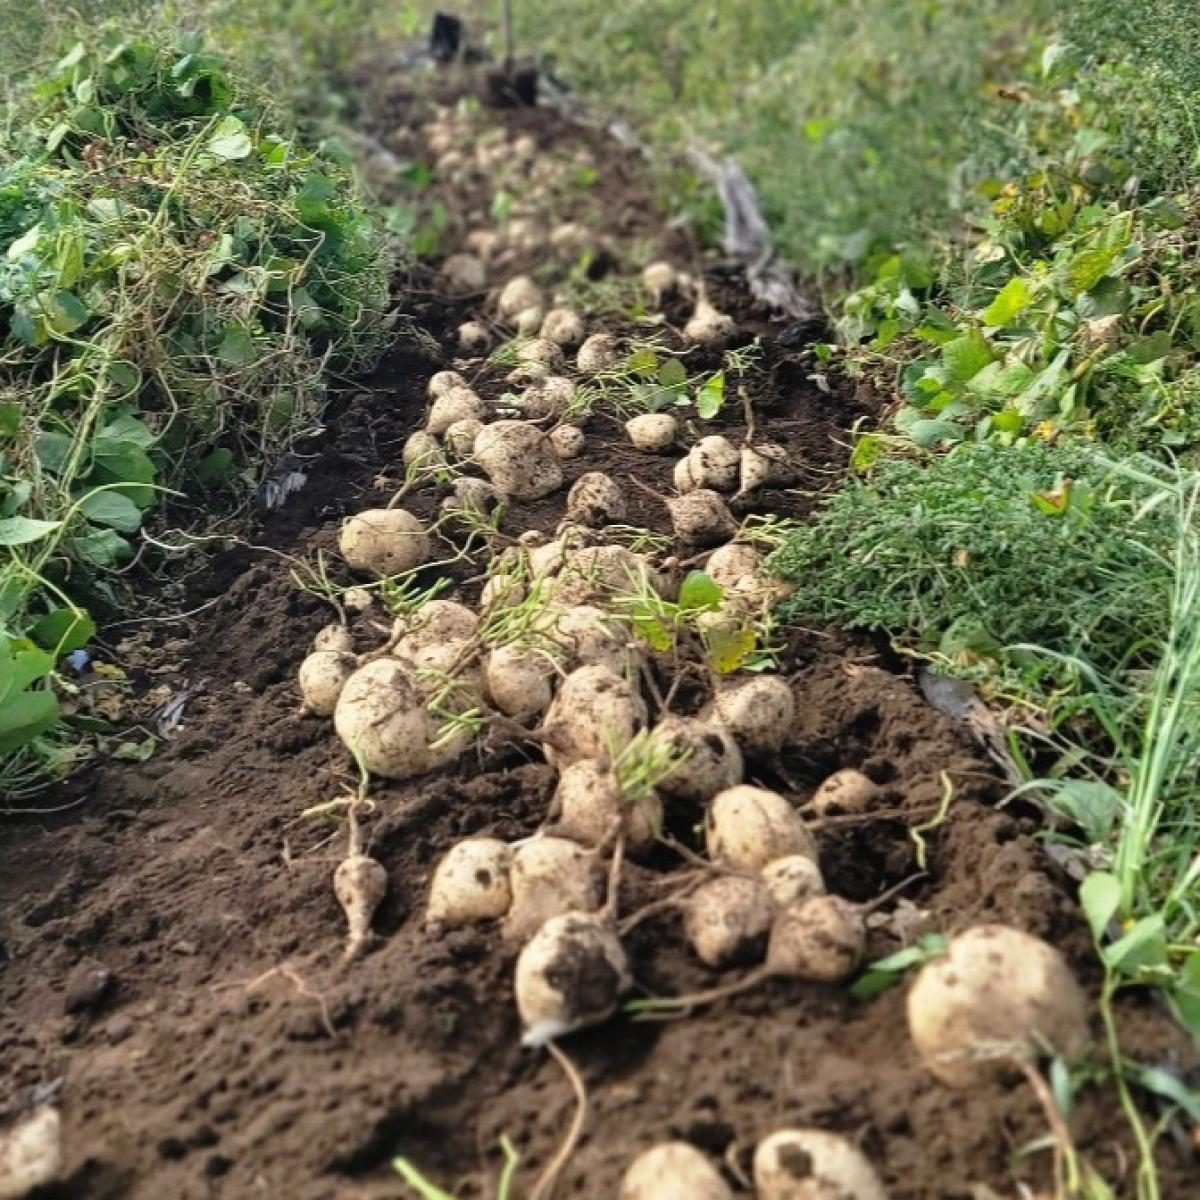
(64, 630)
(65, 312)
(1087, 268)
(1145, 945)
(25, 717)
(230, 140)
(22, 531)
(216, 467)
(728, 651)
(672, 374)
(653, 632)
(868, 450)
(643, 362)
(1170, 1087)
(111, 509)
(1012, 300)
(101, 548)
(699, 591)
(1100, 897)
(710, 399)
(966, 356)
(237, 347)
(927, 434)
(10, 419)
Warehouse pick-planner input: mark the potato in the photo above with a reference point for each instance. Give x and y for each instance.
(571, 974)
(31, 1154)
(357, 600)
(595, 713)
(845, 791)
(758, 711)
(471, 883)
(502, 590)
(334, 637)
(564, 326)
(810, 1164)
(518, 293)
(709, 758)
(820, 938)
(596, 499)
(383, 541)
(550, 876)
(382, 720)
(586, 636)
(518, 459)
(673, 1171)
(996, 994)
(472, 495)
(572, 238)
(464, 274)
(764, 465)
(600, 572)
(681, 476)
(600, 352)
(519, 681)
(727, 919)
(654, 433)
(589, 802)
(525, 237)
(568, 441)
(713, 463)
(732, 562)
(528, 321)
(659, 279)
(527, 373)
(422, 449)
(323, 674)
(701, 518)
(434, 623)
(710, 328)
(474, 337)
(482, 243)
(451, 406)
(460, 437)
(791, 878)
(441, 382)
(549, 397)
(747, 827)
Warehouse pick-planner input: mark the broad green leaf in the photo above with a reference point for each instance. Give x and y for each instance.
(1100, 897)
(65, 312)
(230, 140)
(216, 467)
(728, 651)
(931, 433)
(23, 531)
(653, 632)
(237, 347)
(1012, 300)
(1087, 268)
(25, 717)
(10, 419)
(699, 591)
(101, 547)
(643, 362)
(868, 450)
(1145, 945)
(1008, 420)
(21, 664)
(672, 373)
(966, 356)
(64, 630)
(111, 509)
(710, 399)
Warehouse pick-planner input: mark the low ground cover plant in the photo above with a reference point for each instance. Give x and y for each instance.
(178, 273)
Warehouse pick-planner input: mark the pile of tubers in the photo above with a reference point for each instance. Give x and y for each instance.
(549, 654)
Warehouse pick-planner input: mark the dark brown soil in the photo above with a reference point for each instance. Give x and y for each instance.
(169, 947)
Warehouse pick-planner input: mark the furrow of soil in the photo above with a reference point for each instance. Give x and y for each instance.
(169, 947)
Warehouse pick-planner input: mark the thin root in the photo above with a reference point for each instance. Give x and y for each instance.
(544, 1186)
